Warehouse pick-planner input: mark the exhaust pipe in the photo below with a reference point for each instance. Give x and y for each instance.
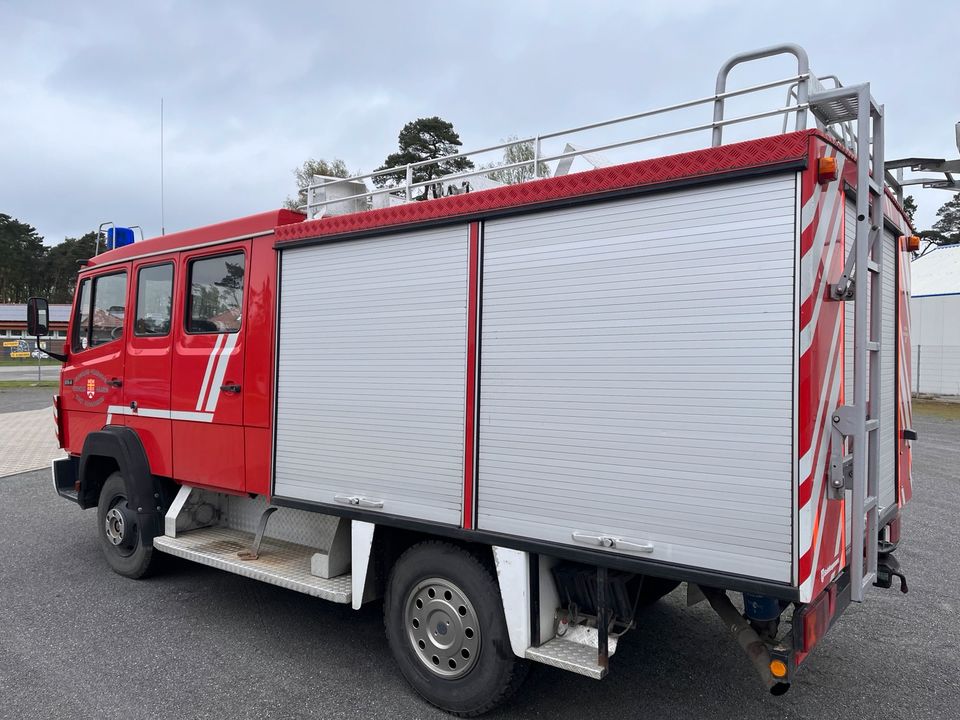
(747, 638)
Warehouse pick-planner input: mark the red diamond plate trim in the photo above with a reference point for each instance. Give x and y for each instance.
(711, 161)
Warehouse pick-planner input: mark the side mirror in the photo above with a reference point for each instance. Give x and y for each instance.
(38, 316)
(38, 323)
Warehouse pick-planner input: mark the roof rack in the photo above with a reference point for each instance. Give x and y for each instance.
(917, 164)
(329, 196)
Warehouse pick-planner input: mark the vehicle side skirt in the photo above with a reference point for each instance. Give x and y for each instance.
(706, 578)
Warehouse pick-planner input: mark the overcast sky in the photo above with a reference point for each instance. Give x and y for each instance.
(251, 89)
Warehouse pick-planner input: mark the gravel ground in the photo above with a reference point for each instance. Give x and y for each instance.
(78, 641)
(17, 399)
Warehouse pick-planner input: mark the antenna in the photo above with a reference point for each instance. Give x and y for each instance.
(163, 229)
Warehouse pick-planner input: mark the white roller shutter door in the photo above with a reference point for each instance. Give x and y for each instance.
(637, 375)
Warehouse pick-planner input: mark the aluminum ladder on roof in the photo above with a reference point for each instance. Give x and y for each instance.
(861, 283)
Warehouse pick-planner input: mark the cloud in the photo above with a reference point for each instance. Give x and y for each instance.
(252, 89)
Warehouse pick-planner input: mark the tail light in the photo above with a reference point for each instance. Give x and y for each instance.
(817, 618)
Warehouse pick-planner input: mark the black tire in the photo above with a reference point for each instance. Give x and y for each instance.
(494, 673)
(655, 588)
(131, 558)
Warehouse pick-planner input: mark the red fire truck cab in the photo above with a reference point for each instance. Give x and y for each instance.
(521, 411)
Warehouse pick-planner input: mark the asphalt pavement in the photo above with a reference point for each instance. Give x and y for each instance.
(77, 641)
(28, 373)
(26, 398)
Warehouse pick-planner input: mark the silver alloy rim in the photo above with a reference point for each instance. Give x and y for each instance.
(442, 627)
(114, 526)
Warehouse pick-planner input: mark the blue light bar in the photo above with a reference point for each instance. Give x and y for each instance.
(119, 237)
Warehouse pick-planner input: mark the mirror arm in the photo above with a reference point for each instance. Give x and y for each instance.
(56, 356)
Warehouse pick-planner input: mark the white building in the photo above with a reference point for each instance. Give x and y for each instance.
(935, 314)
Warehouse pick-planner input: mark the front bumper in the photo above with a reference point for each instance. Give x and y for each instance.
(66, 478)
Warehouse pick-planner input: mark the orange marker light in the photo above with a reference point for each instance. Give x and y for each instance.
(911, 243)
(826, 169)
(778, 668)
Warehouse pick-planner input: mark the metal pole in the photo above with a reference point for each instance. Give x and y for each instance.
(163, 229)
(918, 368)
(603, 649)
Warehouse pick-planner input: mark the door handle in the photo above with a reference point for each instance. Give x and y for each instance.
(116, 382)
(358, 501)
(230, 388)
(614, 543)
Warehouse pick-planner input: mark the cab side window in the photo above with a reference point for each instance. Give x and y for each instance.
(101, 310)
(215, 300)
(154, 300)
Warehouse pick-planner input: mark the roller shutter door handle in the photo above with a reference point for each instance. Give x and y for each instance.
(614, 543)
(357, 501)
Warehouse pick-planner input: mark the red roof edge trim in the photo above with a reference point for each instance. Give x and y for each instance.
(774, 150)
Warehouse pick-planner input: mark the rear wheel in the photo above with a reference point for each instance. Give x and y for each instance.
(445, 625)
(119, 531)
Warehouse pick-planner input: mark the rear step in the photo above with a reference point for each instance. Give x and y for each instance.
(279, 563)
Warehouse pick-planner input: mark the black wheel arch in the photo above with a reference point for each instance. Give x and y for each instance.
(119, 448)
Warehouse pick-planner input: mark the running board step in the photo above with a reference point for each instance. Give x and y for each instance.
(279, 563)
(569, 655)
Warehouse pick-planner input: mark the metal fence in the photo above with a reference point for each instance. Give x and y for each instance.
(936, 369)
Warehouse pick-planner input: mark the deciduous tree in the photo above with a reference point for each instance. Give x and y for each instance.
(305, 173)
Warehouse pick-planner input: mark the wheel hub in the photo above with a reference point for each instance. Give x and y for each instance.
(442, 627)
(120, 527)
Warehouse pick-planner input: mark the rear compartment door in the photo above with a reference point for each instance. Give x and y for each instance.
(889, 356)
(207, 367)
(904, 379)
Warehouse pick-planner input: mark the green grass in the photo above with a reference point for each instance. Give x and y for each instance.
(25, 362)
(7, 384)
(936, 408)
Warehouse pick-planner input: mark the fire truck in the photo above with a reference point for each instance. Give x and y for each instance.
(519, 412)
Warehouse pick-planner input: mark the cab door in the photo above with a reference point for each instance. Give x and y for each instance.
(146, 387)
(94, 373)
(207, 367)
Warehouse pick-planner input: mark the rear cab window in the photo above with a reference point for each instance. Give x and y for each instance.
(215, 297)
(154, 300)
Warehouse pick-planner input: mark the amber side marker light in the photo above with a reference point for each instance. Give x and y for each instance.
(778, 668)
(911, 243)
(826, 170)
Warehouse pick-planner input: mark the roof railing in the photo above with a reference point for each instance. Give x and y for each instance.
(352, 194)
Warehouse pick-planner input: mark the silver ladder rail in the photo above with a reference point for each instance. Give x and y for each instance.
(861, 283)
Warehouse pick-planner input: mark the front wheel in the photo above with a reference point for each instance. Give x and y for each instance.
(119, 531)
(445, 625)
